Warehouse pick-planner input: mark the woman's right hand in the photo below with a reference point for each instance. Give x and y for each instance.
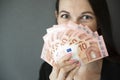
(65, 69)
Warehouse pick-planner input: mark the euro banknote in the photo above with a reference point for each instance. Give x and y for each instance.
(85, 45)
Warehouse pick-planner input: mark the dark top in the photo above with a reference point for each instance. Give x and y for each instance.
(110, 71)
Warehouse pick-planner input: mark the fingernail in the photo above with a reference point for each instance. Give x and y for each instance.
(78, 64)
(73, 60)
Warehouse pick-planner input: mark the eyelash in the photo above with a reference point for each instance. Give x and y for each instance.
(86, 17)
(65, 16)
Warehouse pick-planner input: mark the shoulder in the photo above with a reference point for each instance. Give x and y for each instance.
(45, 71)
(46, 67)
(110, 70)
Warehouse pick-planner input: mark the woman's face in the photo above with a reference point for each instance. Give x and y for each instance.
(77, 11)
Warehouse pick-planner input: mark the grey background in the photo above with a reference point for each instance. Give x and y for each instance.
(22, 25)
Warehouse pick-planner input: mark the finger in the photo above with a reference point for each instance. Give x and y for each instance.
(54, 74)
(67, 63)
(72, 73)
(66, 57)
(64, 71)
(63, 61)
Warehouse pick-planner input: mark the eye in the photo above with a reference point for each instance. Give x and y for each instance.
(65, 16)
(86, 18)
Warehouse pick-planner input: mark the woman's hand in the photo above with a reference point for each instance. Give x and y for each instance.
(65, 69)
(90, 71)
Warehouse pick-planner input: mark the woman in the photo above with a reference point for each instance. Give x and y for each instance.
(94, 14)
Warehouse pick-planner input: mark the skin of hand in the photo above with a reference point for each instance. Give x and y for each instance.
(65, 69)
(90, 71)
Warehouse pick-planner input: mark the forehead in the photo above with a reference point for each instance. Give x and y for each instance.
(75, 5)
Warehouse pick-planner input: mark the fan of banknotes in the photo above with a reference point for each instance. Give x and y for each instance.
(85, 45)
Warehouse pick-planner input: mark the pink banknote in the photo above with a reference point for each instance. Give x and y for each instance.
(85, 45)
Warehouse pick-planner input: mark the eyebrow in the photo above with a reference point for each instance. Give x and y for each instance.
(88, 12)
(63, 11)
